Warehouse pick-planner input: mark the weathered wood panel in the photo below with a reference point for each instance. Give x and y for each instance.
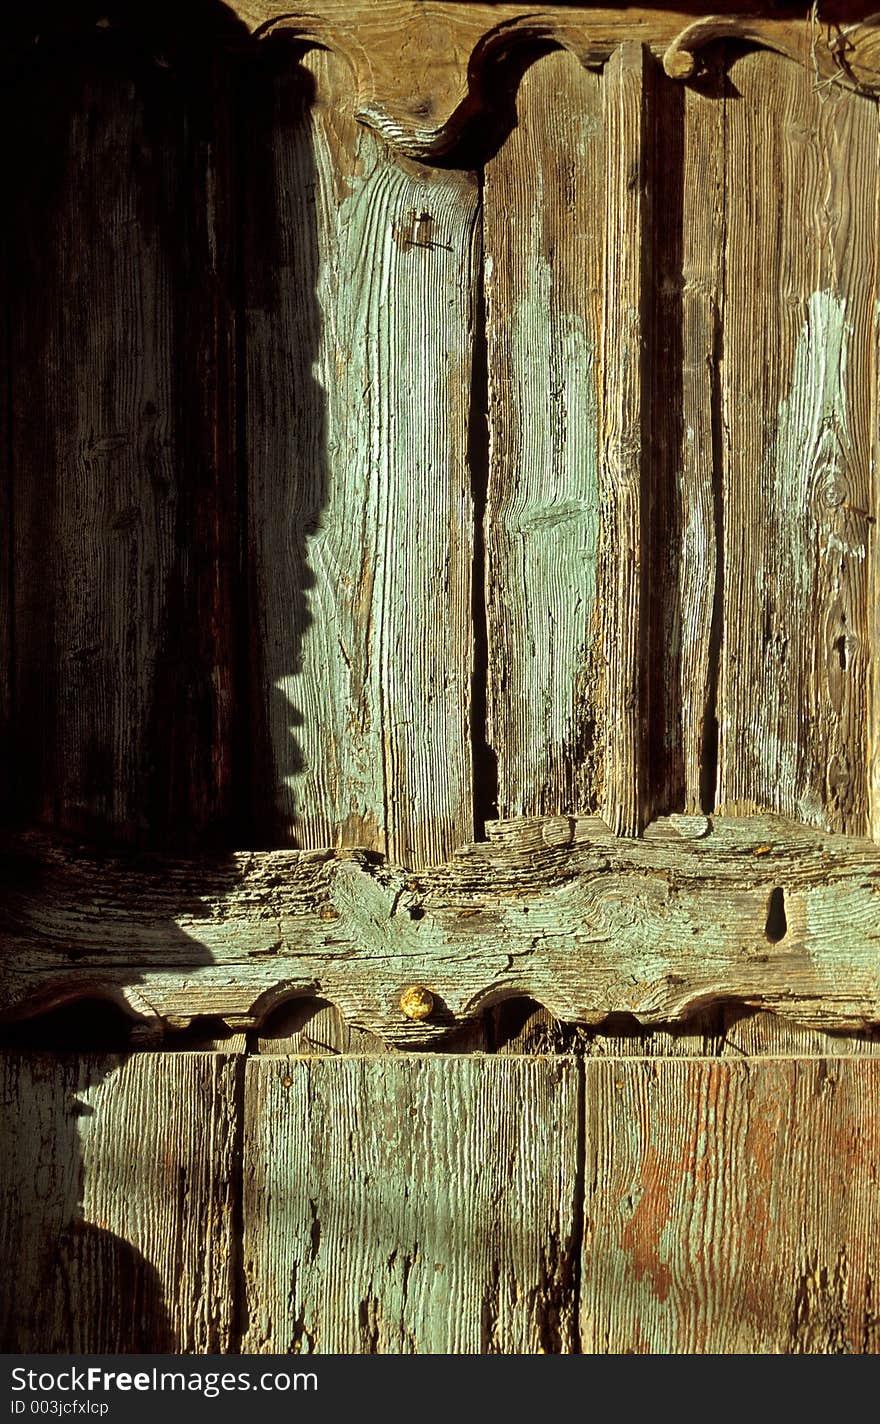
(7, 277)
(756, 1034)
(410, 1206)
(799, 271)
(543, 239)
(625, 439)
(312, 1028)
(360, 303)
(686, 157)
(117, 1183)
(723, 1030)
(760, 911)
(731, 1207)
(873, 728)
(123, 531)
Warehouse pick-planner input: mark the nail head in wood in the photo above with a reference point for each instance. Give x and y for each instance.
(416, 1002)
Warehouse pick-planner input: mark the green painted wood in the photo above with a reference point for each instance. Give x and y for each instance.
(544, 196)
(360, 312)
(396, 1206)
(731, 1207)
(799, 294)
(117, 1182)
(624, 440)
(559, 908)
(123, 509)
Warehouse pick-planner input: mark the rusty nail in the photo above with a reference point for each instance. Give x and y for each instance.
(416, 1002)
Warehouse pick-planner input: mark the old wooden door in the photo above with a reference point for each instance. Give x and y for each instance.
(439, 651)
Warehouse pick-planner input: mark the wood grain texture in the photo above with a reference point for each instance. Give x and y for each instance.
(311, 1028)
(7, 277)
(731, 1207)
(123, 536)
(425, 71)
(722, 1030)
(761, 912)
(361, 519)
(116, 1191)
(873, 728)
(445, 1228)
(799, 280)
(685, 554)
(625, 436)
(757, 1034)
(841, 53)
(543, 200)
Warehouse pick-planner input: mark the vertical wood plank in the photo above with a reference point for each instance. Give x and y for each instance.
(360, 339)
(874, 541)
(686, 146)
(701, 519)
(124, 516)
(543, 201)
(116, 1194)
(801, 199)
(6, 541)
(624, 432)
(410, 1205)
(731, 1207)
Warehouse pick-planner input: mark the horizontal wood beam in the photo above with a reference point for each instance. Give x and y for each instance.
(758, 911)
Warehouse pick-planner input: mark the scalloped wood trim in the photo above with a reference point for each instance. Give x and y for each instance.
(420, 67)
(759, 911)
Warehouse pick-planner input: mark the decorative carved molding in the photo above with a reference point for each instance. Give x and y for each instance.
(422, 70)
(758, 911)
(846, 54)
(421, 67)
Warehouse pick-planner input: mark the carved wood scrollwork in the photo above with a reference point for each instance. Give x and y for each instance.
(422, 71)
(838, 54)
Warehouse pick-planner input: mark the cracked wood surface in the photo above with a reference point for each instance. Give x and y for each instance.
(731, 1207)
(495, 1205)
(685, 164)
(360, 517)
(117, 1184)
(624, 473)
(543, 229)
(447, 1228)
(797, 499)
(559, 909)
(693, 1176)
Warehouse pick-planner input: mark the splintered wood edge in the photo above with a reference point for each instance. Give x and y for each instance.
(423, 70)
(760, 912)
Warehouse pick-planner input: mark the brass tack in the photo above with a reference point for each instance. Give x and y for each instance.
(416, 1002)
